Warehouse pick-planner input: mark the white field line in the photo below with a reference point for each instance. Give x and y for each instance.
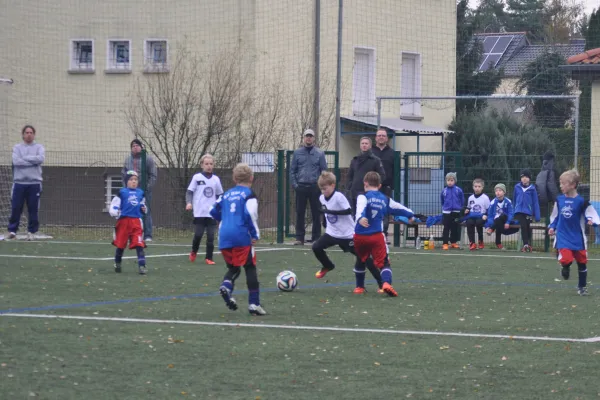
(259, 250)
(304, 328)
(107, 243)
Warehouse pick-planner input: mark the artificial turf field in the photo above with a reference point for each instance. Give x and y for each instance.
(484, 325)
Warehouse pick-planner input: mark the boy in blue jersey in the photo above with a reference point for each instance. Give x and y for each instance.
(569, 216)
(371, 209)
(452, 199)
(500, 213)
(129, 206)
(237, 210)
(527, 206)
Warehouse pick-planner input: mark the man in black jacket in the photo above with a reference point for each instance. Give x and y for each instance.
(365, 162)
(308, 162)
(386, 155)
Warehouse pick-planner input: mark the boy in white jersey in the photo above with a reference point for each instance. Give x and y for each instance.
(339, 230)
(203, 191)
(476, 214)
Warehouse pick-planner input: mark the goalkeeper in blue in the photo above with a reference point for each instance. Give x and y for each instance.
(128, 207)
(570, 215)
(237, 210)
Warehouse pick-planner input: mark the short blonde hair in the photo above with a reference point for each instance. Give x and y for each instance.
(479, 180)
(326, 179)
(372, 179)
(242, 173)
(366, 138)
(571, 176)
(204, 157)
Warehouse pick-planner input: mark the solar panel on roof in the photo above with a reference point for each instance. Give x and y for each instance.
(490, 62)
(494, 48)
(488, 43)
(502, 44)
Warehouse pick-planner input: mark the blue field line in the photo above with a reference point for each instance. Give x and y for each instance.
(314, 286)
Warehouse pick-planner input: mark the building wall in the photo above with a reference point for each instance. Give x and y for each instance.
(595, 141)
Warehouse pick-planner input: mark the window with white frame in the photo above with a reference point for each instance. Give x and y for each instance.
(156, 53)
(118, 56)
(81, 55)
(363, 82)
(113, 184)
(410, 85)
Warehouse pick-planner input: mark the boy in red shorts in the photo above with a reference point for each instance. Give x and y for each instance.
(237, 210)
(371, 209)
(129, 206)
(569, 216)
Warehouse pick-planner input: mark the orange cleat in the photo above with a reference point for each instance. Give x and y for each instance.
(454, 246)
(444, 247)
(389, 290)
(359, 290)
(320, 274)
(209, 262)
(472, 247)
(192, 256)
(481, 246)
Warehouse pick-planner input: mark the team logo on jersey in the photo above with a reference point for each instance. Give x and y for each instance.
(208, 191)
(477, 208)
(201, 182)
(332, 219)
(132, 199)
(566, 212)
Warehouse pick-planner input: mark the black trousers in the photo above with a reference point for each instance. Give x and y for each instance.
(307, 194)
(498, 227)
(451, 227)
(473, 224)
(326, 241)
(201, 225)
(525, 226)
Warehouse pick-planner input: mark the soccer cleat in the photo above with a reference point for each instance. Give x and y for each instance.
(529, 249)
(472, 247)
(256, 310)
(359, 290)
(209, 262)
(526, 249)
(481, 246)
(118, 268)
(582, 291)
(12, 235)
(229, 301)
(455, 246)
(499, 246)
(192, 256)
(321, 274)
(30, 236)
(565, 272)
(389, 290)
(148, 239)
(142, 270)
(444, 247)
(380, 290)
(298, 243)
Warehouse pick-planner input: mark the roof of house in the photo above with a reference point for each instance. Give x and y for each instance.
(585, 58)
(519, 53)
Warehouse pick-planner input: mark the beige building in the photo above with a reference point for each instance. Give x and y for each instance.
(75, 62)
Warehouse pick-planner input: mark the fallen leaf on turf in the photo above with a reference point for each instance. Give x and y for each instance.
(444, 347)
(170, 366)
(376, 363)
(504, 358)
(171, 340)
(596, 352)
(184, 393)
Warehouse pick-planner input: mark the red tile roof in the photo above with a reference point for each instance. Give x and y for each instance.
(588, 57)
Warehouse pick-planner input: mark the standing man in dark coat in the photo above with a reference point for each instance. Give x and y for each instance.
(308, 162)
(365, 162)
(386, 155)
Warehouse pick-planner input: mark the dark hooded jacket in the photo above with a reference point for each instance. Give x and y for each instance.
(547, 181)
(359, 166)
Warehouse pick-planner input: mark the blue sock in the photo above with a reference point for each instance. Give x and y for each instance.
(254, 297)
(119, 255)
(386, 275)
(582, 269)
(228, 284)
(141, 256)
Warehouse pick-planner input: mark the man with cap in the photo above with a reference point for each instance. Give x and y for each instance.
(134, 163)
(527, 206)
(308, 162)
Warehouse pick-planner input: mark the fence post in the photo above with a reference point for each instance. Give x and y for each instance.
(280, 193)
(546, 236)
(396, 187)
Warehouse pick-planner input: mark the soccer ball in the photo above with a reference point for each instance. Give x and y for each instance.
(287, 281)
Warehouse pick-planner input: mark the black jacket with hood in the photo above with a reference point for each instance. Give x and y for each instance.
(359, 166)
(547, 181)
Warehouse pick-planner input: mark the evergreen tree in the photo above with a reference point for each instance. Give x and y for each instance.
(592, 41)
(526, 16)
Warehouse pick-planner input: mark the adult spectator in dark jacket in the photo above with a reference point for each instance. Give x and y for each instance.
(365, 162)
(386, 155)
(308, 162)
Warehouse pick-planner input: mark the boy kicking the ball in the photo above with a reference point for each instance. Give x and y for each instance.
(237, 210)
(569, 216)
(371, 209)
(339, 230)
(128, 206)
